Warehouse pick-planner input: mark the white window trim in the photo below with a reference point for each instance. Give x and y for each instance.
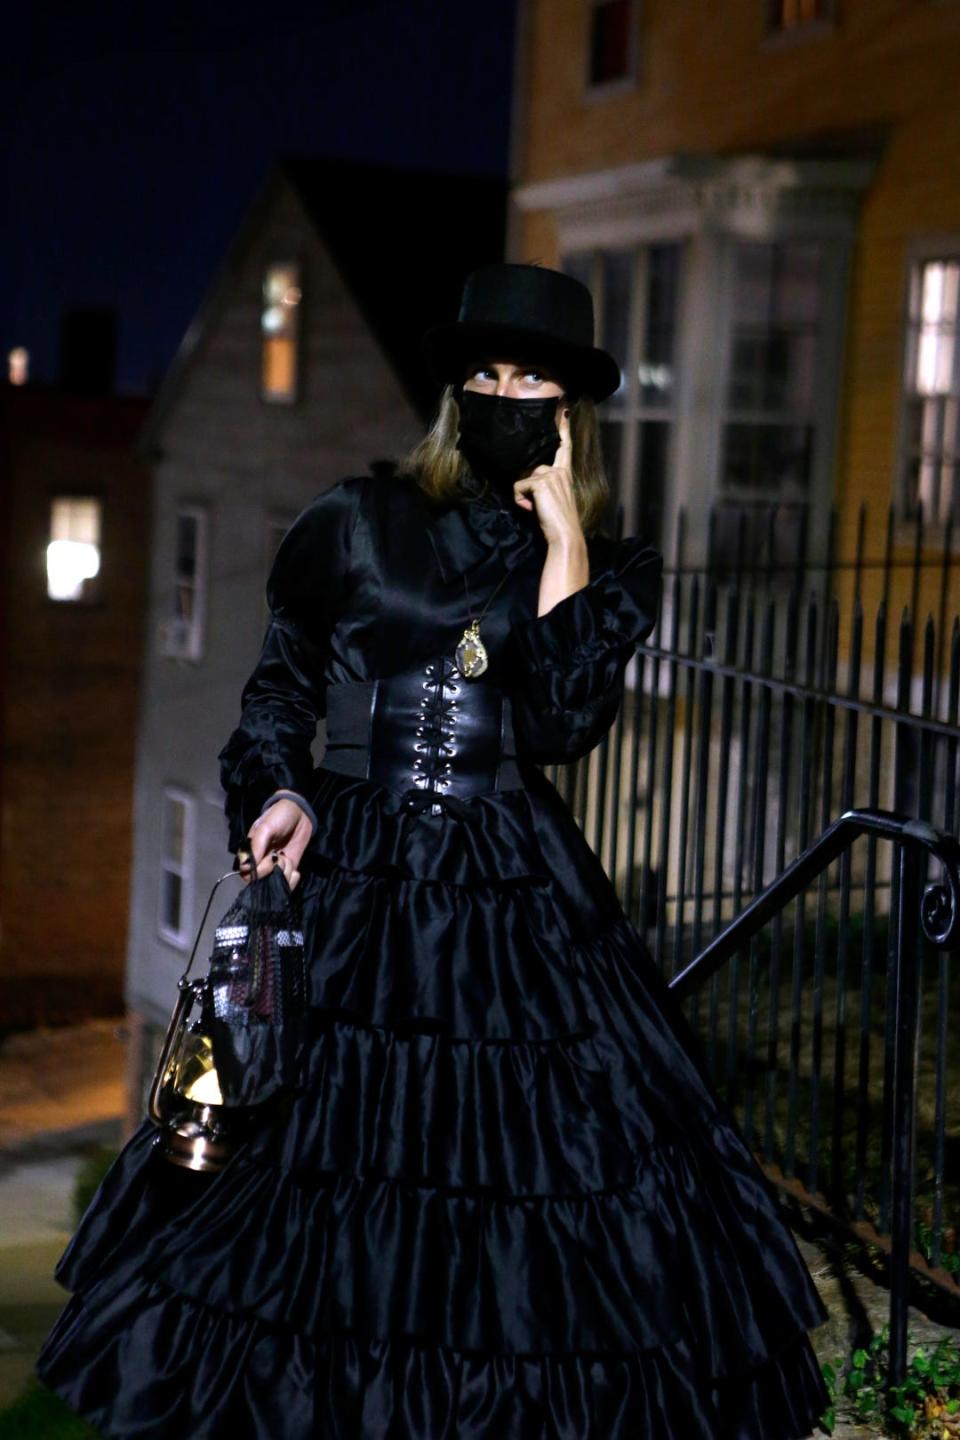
(181, 640)
(634, 412)
(828, 368)
(181, 938)
(924, 247)
(711, 202)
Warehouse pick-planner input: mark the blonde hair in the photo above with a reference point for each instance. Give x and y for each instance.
(438, 466)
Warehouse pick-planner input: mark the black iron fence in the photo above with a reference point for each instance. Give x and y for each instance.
(769, 699)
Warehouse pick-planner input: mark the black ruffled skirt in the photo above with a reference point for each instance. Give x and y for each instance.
(504, 1204)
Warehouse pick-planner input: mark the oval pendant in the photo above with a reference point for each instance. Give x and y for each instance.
(471, 654)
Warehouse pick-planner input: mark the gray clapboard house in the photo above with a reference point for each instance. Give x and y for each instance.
(301, 366)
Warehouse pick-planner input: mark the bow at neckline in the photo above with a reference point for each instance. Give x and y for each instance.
(466, 532)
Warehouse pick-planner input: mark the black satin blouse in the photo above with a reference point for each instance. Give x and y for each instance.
(374, 579)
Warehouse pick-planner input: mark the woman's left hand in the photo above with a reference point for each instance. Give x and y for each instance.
(277, 839)
(548, 489)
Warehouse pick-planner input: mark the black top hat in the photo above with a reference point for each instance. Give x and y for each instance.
(525, 312)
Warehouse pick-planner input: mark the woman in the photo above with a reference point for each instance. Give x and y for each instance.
(506, 1203)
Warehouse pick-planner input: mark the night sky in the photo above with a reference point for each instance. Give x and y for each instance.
(133, 142)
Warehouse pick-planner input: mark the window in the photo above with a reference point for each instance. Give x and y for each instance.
(279, 325)
(790, 15)
(181, 633)
(768, 433)
(611, 46)
(18, 365)
(931, 458)
(177, 847)
(771, 391)
(73, 550)
(637, 295)
(720, 286)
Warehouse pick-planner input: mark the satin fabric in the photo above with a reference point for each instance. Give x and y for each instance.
(504, 1202)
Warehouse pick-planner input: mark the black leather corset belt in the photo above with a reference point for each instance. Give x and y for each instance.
(428, 733)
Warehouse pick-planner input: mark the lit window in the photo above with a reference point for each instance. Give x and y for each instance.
(932, 391)
(73, 551)
(789, 15)
(177, 840)
(279, 329)
(181, 633)
(611, 49)
(18, 366)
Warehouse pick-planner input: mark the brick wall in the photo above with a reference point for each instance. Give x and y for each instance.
(68, 709)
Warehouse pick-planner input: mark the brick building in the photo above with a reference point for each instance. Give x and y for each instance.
(762, 194)
(73, 501)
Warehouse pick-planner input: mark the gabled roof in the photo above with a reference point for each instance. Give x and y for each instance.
(401, 240)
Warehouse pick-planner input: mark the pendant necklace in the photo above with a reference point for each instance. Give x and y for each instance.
(471, 653)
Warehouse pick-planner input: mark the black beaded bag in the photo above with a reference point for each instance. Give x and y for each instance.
(254, 1004)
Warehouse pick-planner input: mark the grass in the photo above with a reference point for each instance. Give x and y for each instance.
(41, 1415)
(89, 1176)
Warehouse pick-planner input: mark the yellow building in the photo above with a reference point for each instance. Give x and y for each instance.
(764, 197)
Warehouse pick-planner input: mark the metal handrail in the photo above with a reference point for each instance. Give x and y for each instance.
(939, 913)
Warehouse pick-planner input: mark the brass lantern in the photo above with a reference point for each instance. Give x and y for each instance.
(196, 1129)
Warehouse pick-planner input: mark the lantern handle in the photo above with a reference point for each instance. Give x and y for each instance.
(206, 911)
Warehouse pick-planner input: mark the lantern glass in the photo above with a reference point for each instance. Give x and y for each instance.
(195, 1071)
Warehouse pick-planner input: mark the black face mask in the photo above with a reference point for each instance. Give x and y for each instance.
(502, 438)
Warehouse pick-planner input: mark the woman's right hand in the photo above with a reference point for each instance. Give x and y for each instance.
(278, 837)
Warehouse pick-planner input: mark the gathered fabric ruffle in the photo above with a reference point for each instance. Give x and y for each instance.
(616, 608)
(619, 1214)
(503, 1200)
(204, 1372)
(365, 935)
(367, 828)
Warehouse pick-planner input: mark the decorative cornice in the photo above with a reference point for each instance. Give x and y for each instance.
(700, 187)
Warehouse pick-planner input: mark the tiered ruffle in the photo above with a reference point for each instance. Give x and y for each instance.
(367, 829)
(206, 1373)
(504, 1202)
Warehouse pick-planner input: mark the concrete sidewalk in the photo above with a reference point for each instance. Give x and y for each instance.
(61, 1098)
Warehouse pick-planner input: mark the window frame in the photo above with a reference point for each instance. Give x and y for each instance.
(922, 250)
(706, 201)
(599, 90)
(635, 411)
(295, 262)
(728, 414)
(835, 262)
(192, 647)
(180, 939)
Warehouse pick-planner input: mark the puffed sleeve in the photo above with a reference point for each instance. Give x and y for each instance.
(285, 697)
(569, 663)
